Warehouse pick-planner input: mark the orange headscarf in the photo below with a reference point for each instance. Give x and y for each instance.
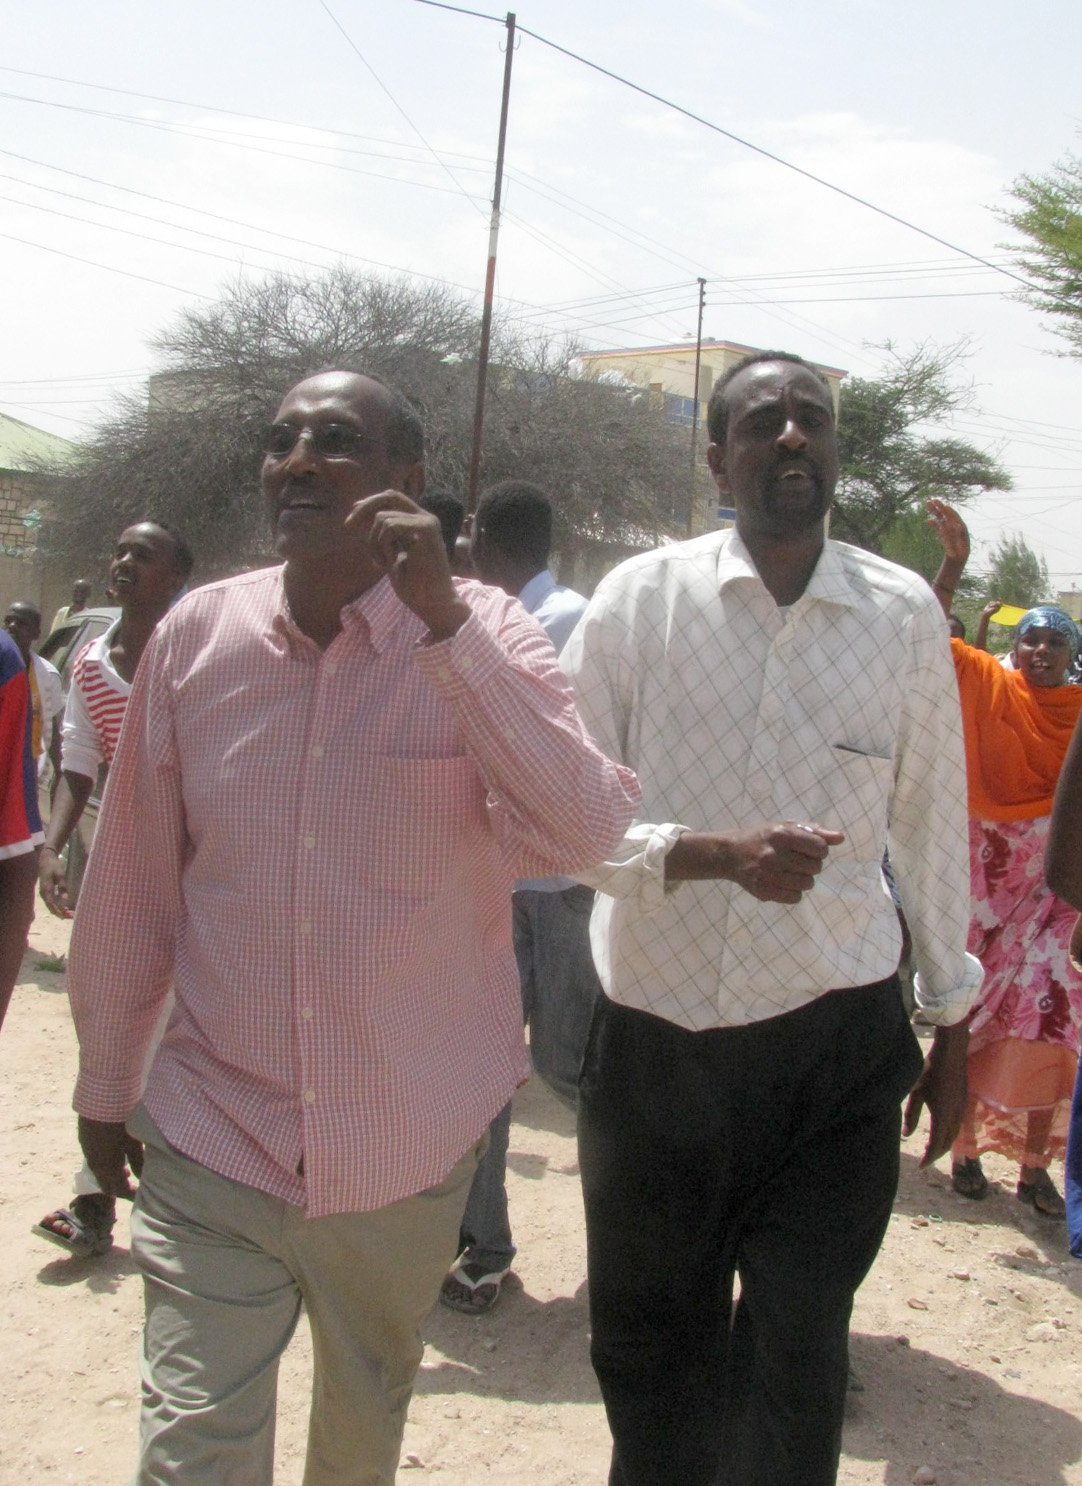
(1016, 736)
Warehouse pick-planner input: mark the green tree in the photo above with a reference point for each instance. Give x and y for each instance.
(890, 458)
(1048, 215)
(1017, 575)
(189, 453)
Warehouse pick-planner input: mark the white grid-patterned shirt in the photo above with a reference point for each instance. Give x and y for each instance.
(840, 710)
(320, 846)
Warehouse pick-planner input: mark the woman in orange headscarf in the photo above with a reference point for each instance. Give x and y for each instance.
(1024, 1030)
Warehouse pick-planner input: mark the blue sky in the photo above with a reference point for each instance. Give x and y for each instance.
(381, 147)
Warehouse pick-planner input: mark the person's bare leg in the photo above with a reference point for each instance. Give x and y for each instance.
(18, 876)
(1034, 1184)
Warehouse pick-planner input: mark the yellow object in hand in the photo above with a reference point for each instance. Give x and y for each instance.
(1008, 614)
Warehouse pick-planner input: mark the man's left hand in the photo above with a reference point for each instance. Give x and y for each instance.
(110, 1152)
(407, 544)
(942, 1087)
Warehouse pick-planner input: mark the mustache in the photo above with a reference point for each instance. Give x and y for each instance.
(797, 462)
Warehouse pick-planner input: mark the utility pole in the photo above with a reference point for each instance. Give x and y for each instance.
(490, 277)
(695, 410)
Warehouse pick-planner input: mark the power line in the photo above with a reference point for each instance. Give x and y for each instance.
(188, 131)
(236, 113)
(748, 144)
(108, 267)
(394, 101)
(230, 221)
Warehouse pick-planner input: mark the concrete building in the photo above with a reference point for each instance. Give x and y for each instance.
(668, 373)
(24, 451)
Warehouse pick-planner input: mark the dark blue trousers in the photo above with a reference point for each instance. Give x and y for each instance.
(770, 1153)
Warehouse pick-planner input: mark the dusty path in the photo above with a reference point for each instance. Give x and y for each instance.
(967, 1336)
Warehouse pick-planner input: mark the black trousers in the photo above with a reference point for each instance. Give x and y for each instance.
(769, 1152)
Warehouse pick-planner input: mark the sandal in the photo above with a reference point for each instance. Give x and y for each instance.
(90, 1218)
(968, 1179)
(1041, 1195)
(472, 1289)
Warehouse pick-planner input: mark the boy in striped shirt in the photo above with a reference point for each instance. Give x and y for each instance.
(150, 566)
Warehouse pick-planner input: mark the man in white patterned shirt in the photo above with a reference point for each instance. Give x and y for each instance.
(789, 706)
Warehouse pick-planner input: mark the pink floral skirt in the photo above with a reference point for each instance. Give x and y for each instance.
(1024, 1030)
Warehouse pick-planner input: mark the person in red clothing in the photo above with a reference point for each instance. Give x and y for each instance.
(330, 775)
(20, 825)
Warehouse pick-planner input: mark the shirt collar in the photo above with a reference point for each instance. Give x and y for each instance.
(831, 581)
(537, 590)
(379, 609)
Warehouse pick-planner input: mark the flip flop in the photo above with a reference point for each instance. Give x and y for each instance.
(90, 1217)
(471, 1289)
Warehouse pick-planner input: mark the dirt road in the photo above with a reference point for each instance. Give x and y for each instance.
(967, 1336)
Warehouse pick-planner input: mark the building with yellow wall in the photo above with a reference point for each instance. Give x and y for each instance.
(668, 373)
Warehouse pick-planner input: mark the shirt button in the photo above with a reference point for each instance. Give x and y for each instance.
(317, 750)
(443, 674)
(306, 928)
(331, 668)
(309, 843)
(307, 1013)
(309, 1096)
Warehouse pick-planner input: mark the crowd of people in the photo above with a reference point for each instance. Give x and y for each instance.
(362, 826)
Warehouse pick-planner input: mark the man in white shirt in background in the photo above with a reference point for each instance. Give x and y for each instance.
(80, 597)
(510, 546)
(23, 623)
(789, 706)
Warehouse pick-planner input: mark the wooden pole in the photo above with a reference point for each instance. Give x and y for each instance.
(490, 277)
(695, 411)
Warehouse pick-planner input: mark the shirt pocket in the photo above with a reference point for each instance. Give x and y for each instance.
(859, 786)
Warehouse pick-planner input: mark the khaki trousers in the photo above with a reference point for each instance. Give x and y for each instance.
(226, 1270)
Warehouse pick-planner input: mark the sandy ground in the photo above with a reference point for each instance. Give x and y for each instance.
(967, 1335)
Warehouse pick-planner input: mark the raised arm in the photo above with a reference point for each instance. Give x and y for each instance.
(954, 539)
(980, 639)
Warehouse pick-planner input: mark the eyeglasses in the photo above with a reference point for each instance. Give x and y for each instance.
(329, 440)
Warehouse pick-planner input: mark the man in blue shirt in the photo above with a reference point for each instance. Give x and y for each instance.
(510, 545)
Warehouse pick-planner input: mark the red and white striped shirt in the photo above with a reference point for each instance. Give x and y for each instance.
(97, 701)
(319, 848)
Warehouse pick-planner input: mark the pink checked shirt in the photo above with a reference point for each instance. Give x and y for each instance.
(318, 847)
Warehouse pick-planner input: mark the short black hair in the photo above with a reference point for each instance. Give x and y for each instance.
(27, 606)
(449, 512)
(717, 409)
(516, 517)
(405, 431)
(183, 558)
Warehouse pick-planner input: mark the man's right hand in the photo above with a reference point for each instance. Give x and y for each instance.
(110, 1151)
(53, 883)
(776, 863)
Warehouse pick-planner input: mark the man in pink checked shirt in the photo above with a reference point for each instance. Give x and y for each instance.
(330, 775)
